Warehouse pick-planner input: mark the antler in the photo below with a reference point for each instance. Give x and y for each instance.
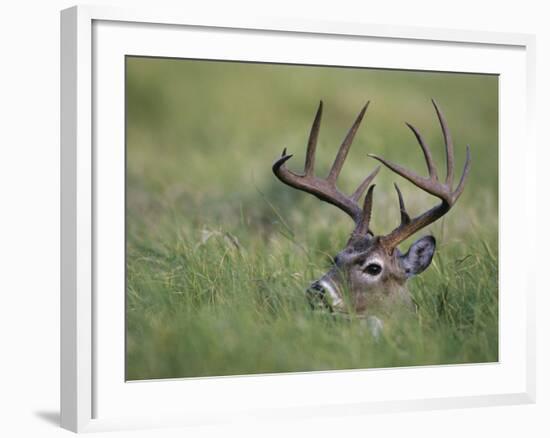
(431, 184)
(325, 189)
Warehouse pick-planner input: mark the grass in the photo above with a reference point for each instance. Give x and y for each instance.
(219, 252)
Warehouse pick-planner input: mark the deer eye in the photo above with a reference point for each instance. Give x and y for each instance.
(373, 269)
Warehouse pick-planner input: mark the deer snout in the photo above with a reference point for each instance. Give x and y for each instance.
(323, 294)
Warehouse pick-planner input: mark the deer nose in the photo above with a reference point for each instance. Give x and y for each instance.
(316, 295)
(324, 294)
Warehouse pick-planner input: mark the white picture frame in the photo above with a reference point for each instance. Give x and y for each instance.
(93, 396)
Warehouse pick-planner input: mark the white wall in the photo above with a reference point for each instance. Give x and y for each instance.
(29, 219)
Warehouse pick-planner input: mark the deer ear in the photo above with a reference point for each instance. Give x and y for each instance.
(419, 256)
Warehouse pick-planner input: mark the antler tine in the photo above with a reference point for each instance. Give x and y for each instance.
(405, 218)
(363, 186)
(428, 184)
(449, 147)
(344, 147)
(432, 171)
(431, 185)
(325, 189)
(362, 227)
(312, 141)
(465, 172)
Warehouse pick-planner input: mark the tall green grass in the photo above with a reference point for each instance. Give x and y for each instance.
(219, 252)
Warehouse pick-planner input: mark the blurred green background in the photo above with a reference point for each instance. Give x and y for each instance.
(219, 252)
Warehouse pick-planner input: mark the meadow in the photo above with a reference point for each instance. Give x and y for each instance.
(219, 252)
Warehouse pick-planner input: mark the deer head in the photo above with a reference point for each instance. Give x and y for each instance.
(370, 273)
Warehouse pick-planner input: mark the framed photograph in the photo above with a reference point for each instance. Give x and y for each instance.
(274, 219)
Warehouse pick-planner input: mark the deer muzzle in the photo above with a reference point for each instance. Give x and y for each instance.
(324, 294)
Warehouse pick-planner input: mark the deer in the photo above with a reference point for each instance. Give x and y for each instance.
(369, 276)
